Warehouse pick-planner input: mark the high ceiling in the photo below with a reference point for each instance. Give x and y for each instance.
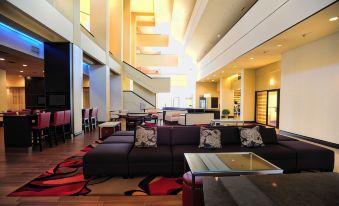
(311, 29)
(14, 61)
(217, 19)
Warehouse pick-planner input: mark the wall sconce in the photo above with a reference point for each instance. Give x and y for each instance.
(272, 82)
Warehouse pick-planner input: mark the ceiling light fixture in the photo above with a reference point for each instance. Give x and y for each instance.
(279, 45)
(218, 35)
(335, 18)
(222, 71)
(21, 71)
(251, 58)
(24, 65)
(20, 75)
(2, 59)
(212, 80)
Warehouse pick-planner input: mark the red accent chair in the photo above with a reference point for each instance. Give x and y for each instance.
(85, 120)
(39, 129)
(94, 118)
(58, 122)
(67, 122)
(187, 191)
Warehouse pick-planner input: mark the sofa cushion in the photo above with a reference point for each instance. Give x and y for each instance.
(119, 139)
(123, 133)
(250, 137)
(179, 150)
(209, 138)
(146, 137)
(186, 135)
(154, 154)
(164, 135)
(269, 135)
(311, 157)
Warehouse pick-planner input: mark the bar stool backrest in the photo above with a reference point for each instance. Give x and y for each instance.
(43, 120)
(95, 112)
(67, 119)
(59, 118)
(85, 113)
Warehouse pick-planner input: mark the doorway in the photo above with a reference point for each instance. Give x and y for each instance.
(267, 107)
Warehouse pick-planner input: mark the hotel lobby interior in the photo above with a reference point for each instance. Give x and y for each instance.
(169, 102)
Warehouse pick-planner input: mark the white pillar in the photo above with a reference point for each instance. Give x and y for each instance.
(100, 86)
(247, 94)
(116, 92)
(77, 89)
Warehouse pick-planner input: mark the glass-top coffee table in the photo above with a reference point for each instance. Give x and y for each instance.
(228, 164)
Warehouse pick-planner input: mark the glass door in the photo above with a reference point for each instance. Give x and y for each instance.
(267, 107)
(273, 108)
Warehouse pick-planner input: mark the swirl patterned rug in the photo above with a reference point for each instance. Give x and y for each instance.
(66, 179)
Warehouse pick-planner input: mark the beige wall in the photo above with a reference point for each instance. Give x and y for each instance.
(14, 81)
(3, 101)
(310, 90)
(205, 88)
(268, 77)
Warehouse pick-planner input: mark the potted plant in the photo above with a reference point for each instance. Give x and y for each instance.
(225, 113)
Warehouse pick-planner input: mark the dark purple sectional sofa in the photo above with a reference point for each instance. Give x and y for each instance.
(117, 155)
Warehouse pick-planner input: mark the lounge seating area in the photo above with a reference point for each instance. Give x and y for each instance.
(118, 156)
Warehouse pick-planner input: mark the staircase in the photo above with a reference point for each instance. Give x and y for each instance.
(135, 103)
(156, 85)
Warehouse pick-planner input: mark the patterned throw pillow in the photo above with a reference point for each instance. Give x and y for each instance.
(250, 137)
(210, 138)
(145, 137)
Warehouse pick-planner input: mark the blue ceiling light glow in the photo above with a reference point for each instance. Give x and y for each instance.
(24, 36)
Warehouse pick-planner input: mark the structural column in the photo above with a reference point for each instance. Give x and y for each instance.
(226, 95)
(247, 94)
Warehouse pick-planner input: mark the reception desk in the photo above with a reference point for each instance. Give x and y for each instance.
(18, 130)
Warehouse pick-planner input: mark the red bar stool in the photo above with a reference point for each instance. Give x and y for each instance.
(187, 192)
(58, 122)
(94, 118)
(85, 119)
(41, 126)
(67, 122)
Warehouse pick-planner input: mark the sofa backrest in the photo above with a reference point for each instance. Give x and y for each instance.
(164, 135)
(185, 135)
(229, 134)
(268, 135)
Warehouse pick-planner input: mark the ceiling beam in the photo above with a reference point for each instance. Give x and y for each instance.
(152, 40)
(197, 13)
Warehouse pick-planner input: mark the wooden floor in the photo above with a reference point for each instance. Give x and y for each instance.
(19, 166)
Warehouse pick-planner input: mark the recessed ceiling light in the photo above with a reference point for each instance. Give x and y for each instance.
(2, 59)
(335, 18)
(24, 65)
(218, 35)
(251, 58)
(222, 71)
(212, 80)
(20, 75)
(279, 45)
(21, 71)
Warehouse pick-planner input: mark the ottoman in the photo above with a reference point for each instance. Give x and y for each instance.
(124, 133)
(119, 139)
(107, 159)
(187, 198)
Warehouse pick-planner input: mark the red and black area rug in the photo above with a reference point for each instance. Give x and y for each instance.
(66, 179)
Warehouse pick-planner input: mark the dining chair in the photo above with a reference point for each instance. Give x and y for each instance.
(58, 122)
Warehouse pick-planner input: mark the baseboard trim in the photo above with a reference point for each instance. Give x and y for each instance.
(311, 139)
(77, 134)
